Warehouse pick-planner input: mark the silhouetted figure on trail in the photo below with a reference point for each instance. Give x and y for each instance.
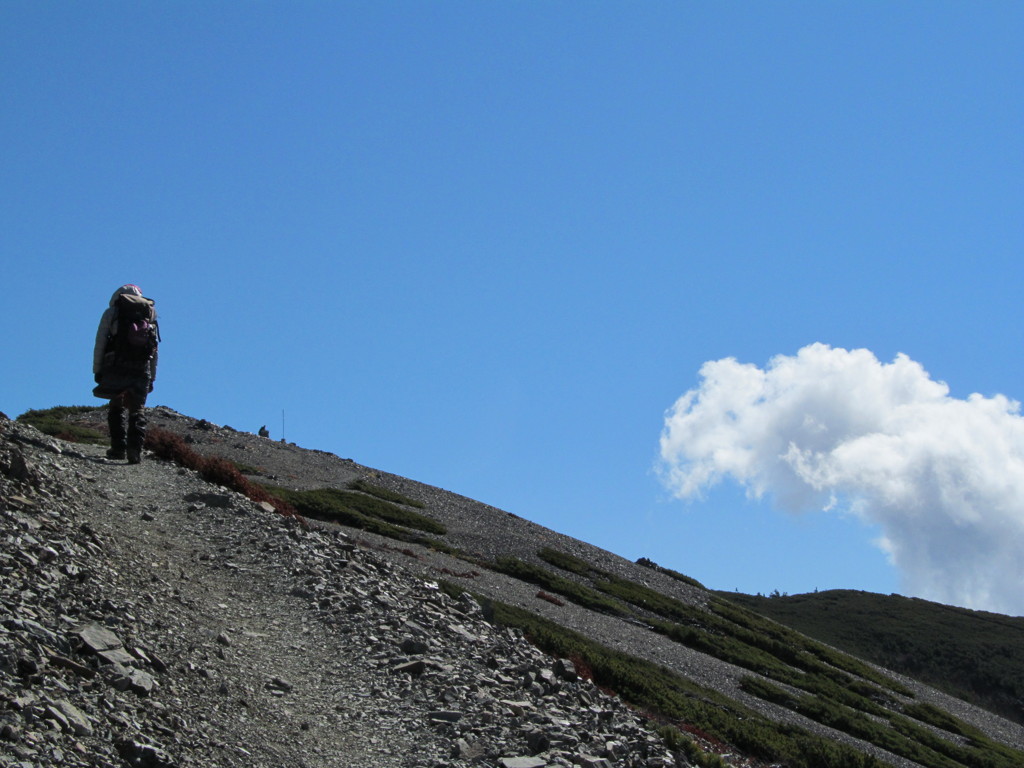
(264, 432)
(124, 366)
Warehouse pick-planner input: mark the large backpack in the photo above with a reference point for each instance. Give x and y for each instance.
(134, 332)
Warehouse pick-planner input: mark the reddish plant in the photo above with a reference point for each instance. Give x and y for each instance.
(550, 598)
(582, 668)
(214, 469)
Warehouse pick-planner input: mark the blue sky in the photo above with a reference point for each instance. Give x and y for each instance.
(489, 245)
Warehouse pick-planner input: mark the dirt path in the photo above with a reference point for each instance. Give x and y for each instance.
(196, 585)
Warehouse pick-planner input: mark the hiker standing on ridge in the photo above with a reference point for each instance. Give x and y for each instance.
(124, 366)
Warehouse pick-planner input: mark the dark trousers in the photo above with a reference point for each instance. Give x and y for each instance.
(130, 435)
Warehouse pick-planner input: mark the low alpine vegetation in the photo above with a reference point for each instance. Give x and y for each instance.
(646, 562)
(359, 484)
(577, 593)
(55, 422)
(368, 513)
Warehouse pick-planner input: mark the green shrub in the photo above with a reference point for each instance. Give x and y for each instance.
(577, 593)
(677, 741)
(566, 562)
(373, 506)
(357, 510)
(629, 591)
(359, 484)
(54, 421)
(647, 598)
(646, 562)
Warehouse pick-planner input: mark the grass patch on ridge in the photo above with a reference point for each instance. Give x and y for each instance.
(577, 593)
(367, 513)
(54, 422)
(359, 484)
(646, 562)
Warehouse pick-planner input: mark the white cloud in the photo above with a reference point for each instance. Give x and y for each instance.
(838, 430)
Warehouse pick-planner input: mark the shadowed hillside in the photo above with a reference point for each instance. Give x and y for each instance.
(973, 655)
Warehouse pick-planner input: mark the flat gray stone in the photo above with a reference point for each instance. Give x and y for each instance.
(76, 719)
(117, 656)
(417, 667)
(141, 682)
(97, 638)
(522, 762)
(447, 716)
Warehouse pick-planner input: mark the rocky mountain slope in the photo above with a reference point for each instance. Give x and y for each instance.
(149, 617)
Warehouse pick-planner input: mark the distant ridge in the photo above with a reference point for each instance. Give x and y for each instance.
(974, 655)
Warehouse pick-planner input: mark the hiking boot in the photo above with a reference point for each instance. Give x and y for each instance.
(136, 435)
(118, 454)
